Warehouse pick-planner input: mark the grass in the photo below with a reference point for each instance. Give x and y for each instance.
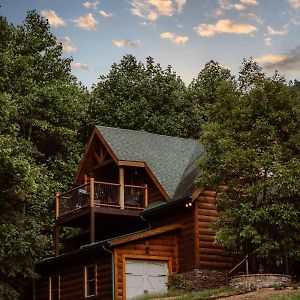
(185, 295)
(288, 297)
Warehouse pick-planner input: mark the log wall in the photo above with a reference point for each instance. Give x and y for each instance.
(72, 279)
(210, 255)
(186, 243)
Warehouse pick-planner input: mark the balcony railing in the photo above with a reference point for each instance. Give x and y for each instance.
(96, 193)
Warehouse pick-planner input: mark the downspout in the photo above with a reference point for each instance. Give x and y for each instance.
(112, 270)
(147, 221)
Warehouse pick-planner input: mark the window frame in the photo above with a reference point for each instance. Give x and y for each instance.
(58, 286)
(86, 281)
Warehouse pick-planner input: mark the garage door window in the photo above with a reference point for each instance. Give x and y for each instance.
(90, 280)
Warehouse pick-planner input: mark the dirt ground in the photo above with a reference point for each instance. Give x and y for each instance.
(262, 294)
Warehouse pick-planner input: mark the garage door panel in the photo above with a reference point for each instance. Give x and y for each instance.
(145, 276)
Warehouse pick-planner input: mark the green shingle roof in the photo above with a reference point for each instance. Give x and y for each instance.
(172, 160)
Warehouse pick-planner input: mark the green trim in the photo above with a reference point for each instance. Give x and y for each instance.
(162, 207)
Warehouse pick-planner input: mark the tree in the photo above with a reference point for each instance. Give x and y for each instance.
(202, 91)
(252, 142)
(42, 110)
(146, 97)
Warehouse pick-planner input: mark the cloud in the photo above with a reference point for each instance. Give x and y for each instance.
(68, 45)
(126, 43)
(177, 39)
(249, 2)
(107, 15)
(147, 24)
(270, 58)
(240, 6)
(91, 5)
(53, 18)
(86, 22)
(284, 62)
(268, 41)
(224, 26)
(152, 9)
(272, 31)
(294, 3)
(79, 65)
(254, 17)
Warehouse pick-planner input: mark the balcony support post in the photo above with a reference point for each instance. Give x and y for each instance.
(57, 206)
(56, 239)
(146, 195)
(92, 212)
(122, 187)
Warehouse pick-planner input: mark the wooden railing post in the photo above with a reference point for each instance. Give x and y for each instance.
(92, 192)
(57, 213)
(146, 195)
(122, 187)
(92, 212)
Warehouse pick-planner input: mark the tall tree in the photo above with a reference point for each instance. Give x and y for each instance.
(143, 96)
(252, 142)
(42, 109)
(203, 90)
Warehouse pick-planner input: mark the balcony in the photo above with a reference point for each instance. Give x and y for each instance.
(101, 194)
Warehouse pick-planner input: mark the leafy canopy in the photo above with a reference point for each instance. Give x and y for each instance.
(252, 141)
(41, 114)
(143, 97)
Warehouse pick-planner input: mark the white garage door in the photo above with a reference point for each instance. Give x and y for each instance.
(145, 276)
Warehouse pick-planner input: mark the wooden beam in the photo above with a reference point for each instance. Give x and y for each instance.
(146, 195)
(157, 183)
(92, 225)
(57, 206)
(122, 188)
(148, 233)
(106, 162)
(92, 192)
(129, 163)
(94, 134)
(56, 237)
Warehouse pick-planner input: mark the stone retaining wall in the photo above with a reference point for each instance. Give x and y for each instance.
(258, 281)
(206, 279)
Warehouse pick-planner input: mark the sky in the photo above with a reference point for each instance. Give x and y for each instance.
(185, 34)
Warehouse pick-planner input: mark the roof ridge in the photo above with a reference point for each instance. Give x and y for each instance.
(146, 132)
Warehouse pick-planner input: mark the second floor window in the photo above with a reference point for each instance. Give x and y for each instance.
(54, 287)
(90, 280)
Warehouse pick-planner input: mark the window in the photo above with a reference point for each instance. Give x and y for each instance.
(90, 280)
(54, 287)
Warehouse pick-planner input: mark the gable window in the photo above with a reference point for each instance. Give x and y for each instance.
(54, 287)
(90, 280)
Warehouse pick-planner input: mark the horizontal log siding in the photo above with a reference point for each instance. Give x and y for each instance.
(72, 279)
(164, 245)
(42, 288)
(186, 245)
(211, 255)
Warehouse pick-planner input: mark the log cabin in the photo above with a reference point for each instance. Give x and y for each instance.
(136, 217)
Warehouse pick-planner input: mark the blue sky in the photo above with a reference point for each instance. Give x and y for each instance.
(182, 33)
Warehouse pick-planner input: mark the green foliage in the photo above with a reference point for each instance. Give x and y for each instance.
(252, 143)
(288, 297)
(42, 110)
(146, 97)
(179, 282)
